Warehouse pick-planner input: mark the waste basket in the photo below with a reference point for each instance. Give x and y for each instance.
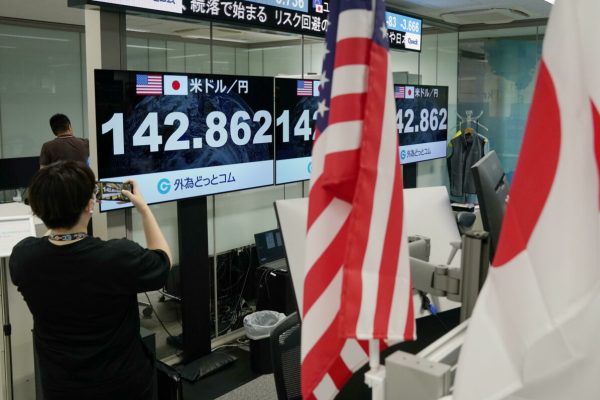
(258, 327)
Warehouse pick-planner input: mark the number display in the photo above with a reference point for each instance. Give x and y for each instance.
(219, 131)
(421, 122)
(429, 120)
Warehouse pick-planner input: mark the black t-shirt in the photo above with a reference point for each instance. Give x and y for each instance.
(83, 297)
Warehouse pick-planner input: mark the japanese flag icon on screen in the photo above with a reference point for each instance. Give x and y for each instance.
(409, 92)
(176, 85)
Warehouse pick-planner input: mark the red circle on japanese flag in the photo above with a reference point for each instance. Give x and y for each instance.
(175, 85)
(409, 92)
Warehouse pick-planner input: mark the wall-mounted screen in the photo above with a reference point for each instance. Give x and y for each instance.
(295, 110)
(422, 121)
(183, 135)
(303, 17)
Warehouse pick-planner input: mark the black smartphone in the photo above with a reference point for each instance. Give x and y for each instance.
(111, 191)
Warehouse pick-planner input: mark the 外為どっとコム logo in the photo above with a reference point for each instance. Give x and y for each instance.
(164, 186)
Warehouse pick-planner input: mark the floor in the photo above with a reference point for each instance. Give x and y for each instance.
(238, 381)
(169, 313)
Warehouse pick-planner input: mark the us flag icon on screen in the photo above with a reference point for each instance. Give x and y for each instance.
(304, 88)
(399, 92)
(176, 85)
(148, 85)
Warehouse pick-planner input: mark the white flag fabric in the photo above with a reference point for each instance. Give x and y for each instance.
(535, 331)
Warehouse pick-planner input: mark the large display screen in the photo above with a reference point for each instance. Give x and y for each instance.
(422, 121)
(183, 135)
(295, 108)
(305, 17)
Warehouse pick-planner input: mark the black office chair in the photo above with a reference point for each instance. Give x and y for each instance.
(285, 354)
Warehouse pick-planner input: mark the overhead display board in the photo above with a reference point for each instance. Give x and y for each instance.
(422, 121)
(296, 110)
(183, 135)
(306, 17)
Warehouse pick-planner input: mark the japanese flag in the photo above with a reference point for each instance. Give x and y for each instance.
(176, 85)
(410, 92)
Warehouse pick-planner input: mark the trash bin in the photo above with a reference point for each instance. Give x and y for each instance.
(258, 327)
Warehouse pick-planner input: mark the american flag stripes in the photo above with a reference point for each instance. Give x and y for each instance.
(357, 278)
(533, 334)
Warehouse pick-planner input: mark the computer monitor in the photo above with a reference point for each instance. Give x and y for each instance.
(269, 246)
(17, 172)
(492, 190)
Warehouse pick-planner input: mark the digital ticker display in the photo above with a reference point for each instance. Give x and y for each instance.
(183, 135)
(305, 17)
(296, 110)
(422, 121)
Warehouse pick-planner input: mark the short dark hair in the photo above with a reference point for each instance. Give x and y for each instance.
(60, 192)
(59, 123)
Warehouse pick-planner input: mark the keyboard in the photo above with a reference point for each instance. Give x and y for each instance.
(280, 264)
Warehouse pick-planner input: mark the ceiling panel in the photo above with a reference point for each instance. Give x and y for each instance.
(437, 8)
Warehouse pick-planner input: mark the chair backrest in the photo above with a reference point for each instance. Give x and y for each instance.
(285, 352)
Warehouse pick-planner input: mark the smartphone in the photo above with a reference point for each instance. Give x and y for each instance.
(111, 191)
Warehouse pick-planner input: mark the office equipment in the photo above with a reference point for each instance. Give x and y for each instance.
(492, 191)
(275, 291)
(285, 353)
(421, 121)
(17, 172)
(429, 375)
(184, 135)
(427, 213)
(269, 250)
(169, 385)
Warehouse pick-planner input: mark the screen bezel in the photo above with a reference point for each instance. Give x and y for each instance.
(126, 206)
(274, 138)
(448, 129)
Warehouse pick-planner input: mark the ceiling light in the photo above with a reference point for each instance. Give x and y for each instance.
(135, 46)
(189, 56)
(214, 38)
(550, 1)
(138, 30)
(34, 37)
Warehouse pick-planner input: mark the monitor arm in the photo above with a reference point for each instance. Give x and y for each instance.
(457, 284)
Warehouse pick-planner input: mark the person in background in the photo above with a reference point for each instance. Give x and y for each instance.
(82, 291)
(65, 146)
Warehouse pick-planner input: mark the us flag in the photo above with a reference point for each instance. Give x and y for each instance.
(148, 84)
(357, 277)
(399, 92)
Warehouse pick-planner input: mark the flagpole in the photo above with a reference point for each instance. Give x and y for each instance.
(375, 377)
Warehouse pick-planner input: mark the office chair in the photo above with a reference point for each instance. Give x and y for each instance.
(285, 354)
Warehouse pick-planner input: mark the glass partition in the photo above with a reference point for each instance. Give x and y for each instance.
(497, 73)
(40, 74)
